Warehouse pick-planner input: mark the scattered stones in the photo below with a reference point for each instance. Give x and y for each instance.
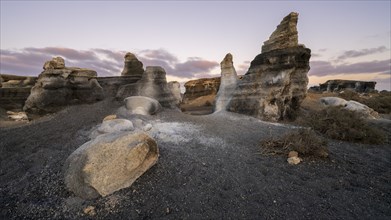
(17, 116)
(110, 117)
(276, 82)
(58, 86)
(142, 105)
(132, 66)
(147, 127)
(109, 163)
(227, 85)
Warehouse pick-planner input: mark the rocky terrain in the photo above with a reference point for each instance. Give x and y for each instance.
(341, 85)
(120, 148)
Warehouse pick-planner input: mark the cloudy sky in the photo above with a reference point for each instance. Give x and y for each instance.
(348, 39)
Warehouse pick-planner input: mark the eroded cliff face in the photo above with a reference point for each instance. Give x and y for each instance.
(276, 82)
(340, 85)
(132, 66)
(58, 85)
(201, 87)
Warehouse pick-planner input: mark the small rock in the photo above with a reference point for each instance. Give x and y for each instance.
(110, 117)
(116, 125)
(147, 127)
(17, 116)
(294, 160)
(90, 210)
(138, 123)
(293, 154)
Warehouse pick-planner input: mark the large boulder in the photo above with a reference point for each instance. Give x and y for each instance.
(228, 83)
(132, 66)
(363, 110)
(109, 163)
(153, 84)
(276, 82)
(58, 86)
(142, 105)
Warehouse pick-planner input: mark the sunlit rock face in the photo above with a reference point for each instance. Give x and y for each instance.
(228, 83)
(132, 66)
(153, 84)
(276, 82)
(58, 86)
(201, 87)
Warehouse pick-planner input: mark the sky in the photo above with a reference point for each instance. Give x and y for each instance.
(348, 39)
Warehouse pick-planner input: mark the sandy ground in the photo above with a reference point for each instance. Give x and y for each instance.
(209, 168)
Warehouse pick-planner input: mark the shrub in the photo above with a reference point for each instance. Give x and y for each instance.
(381, 103)
(341, 124)
(305, 141)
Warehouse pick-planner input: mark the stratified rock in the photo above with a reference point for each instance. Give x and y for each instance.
(142, 105)
(175, 88)
(153, 84)
(341, 85)
(109, 163)
(228, 83)
(58, 87)
(276, 82)
(201, 87)
(285, 36)
(14, 90)
(55, 63)
(132, 67)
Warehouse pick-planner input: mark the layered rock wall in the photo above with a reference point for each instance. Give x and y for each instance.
(201, 87)
(58, 86)
(14, 90)
(340, 85)
(276, 82)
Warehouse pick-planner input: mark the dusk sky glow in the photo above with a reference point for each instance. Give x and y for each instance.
(348, 39)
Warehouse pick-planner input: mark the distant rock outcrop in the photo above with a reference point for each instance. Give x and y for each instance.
(201, 87)
(276, 82)
(175, 88)
(109, 162)
(228, 83)
(340, 85)
(14, 90)
(132, 67)
(58, 86)
(153, 84)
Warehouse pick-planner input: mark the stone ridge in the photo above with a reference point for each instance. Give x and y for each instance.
(284, 36)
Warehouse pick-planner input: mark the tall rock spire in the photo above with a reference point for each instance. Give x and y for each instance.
(284, 36)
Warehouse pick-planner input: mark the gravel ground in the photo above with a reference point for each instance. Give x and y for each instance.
(209, 168)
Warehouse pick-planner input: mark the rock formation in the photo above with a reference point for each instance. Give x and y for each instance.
(58, 85)
(363, 110)
(108, 163)
(14, 90)
(340, 85)
(276, 82)
(175, 88)
(201, 87)
(228, 83)
(142, 105)
(153, 84)
(132, 67)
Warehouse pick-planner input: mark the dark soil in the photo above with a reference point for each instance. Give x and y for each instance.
(214, 173)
